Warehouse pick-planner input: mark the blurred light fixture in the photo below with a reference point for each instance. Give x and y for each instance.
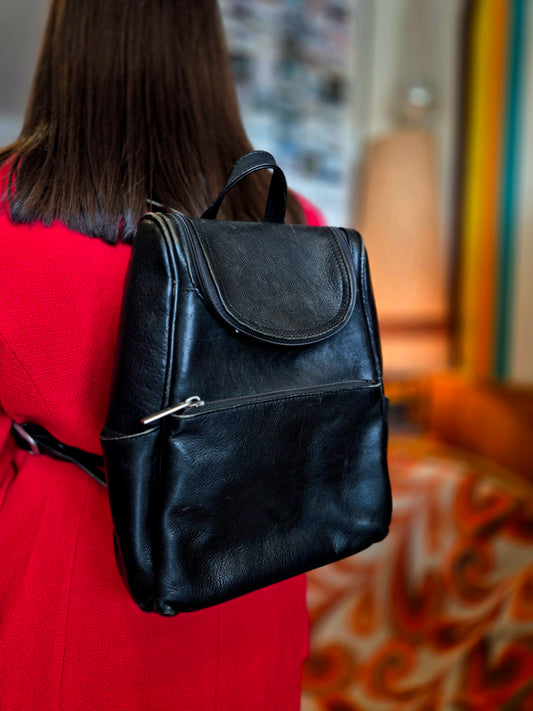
(415, 103)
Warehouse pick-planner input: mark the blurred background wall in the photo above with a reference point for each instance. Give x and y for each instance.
(21, 24)
(402, 196)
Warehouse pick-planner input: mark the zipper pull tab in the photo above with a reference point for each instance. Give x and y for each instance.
(193, 401)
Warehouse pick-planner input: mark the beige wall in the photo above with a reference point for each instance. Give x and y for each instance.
(404, 174)
(410, 37)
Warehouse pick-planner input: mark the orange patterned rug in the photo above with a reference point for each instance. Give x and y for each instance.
(439, 615)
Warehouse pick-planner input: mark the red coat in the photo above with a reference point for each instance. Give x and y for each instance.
(70, 636)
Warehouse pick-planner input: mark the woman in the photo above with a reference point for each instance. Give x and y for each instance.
(132, 101)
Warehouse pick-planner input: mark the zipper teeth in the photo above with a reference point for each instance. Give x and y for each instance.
(225, 403)
(172, 317)
(190, 247)
(207, 288)
(344, 244)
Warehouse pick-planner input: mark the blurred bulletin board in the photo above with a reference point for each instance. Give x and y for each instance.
(294, 66)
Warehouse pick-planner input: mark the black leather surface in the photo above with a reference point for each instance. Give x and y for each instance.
(284, 467)
(297, 486)
(258, 286)
(216, 504)
(131, 462)
(147, 320)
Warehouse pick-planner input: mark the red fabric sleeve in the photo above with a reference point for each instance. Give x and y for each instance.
(313, 216)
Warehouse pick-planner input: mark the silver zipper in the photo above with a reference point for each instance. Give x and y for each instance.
(193, 401)
(273, 395)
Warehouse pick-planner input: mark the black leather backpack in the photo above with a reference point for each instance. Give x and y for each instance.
(246, 434)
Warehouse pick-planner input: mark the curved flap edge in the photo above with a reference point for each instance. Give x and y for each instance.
(288, 284)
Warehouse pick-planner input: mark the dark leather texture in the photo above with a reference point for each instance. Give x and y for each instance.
(259, 290)
(284, 466)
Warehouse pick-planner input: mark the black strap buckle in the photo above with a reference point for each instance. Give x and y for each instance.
(35, 439)
(24, 439)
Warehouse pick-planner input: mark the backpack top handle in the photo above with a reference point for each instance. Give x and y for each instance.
(250, 163)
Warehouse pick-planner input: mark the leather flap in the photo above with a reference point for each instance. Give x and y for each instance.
(289, 284)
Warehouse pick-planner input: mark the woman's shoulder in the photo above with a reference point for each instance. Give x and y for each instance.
(313, 215)
(57, 240)
(45, 270)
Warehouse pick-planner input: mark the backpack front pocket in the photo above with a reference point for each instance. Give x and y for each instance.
(253, 490)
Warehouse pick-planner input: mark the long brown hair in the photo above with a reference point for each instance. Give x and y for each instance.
(132, 100)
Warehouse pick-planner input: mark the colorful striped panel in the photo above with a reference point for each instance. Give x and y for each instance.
(494, 300)
(480, 224)
(511, 188)
(520, 357)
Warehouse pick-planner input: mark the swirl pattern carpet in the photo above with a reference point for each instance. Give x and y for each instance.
(439, 615)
